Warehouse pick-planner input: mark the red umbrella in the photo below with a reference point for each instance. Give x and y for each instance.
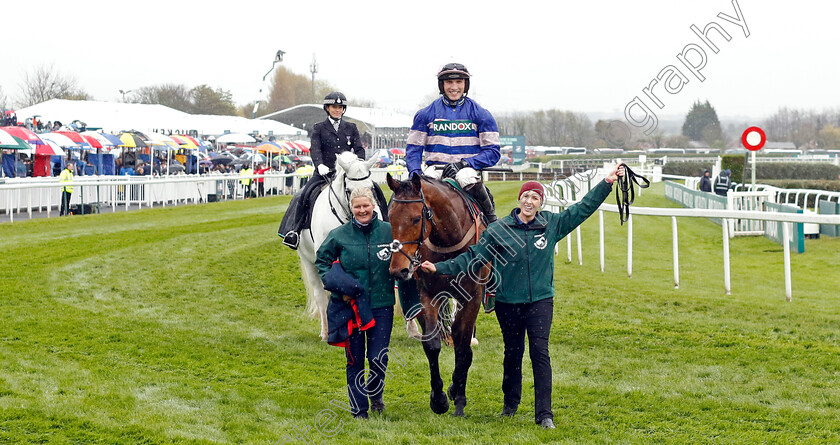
(50, 148)
(298, 146)
(397, 151)
(92, 141)
(76, 137)
(24, 134)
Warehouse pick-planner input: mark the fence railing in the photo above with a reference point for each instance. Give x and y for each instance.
(554, 201)
(92, 193)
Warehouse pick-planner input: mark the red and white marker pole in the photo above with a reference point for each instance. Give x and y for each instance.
(753, 139)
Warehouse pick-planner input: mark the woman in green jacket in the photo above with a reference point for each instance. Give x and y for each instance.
(521, 247)
(361, 246)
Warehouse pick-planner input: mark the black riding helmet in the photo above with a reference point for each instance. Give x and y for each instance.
(454, 71)
(335, 98)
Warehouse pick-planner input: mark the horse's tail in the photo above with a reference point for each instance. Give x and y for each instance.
(311, 299)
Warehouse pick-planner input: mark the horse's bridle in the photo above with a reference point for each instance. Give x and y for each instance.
(347, 212)
(426, 215)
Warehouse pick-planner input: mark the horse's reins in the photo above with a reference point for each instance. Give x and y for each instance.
(427, 214)
(625, 193)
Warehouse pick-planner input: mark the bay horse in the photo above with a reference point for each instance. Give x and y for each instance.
(431, 221)
(331, 209)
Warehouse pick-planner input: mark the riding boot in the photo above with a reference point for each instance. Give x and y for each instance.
(484, 199)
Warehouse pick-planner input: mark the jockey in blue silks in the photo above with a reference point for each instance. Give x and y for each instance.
(457, 132)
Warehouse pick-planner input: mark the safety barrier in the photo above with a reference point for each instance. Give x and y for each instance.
(785, 220)
(29, 195)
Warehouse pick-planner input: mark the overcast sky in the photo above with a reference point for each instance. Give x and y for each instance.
(590, 56)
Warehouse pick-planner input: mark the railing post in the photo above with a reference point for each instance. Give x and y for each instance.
(568, 249)
(601, 236)
(630, 246)
(726, 286)
(786, 244)
(676, 252)
(579, 247)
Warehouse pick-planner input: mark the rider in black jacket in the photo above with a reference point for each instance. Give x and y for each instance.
(329, 138)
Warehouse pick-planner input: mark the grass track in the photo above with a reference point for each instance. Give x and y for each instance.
(185, 325)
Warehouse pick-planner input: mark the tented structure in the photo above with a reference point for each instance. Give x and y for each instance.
(114, 117)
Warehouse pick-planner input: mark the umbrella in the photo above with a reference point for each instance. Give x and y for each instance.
(224, 160)
(184, 142)
(236, 138)
(385, 159)
(60, 140)
(255, 157)
(305, 170)
(132, 140)
(24, 134)
(300, 145)
(95, 143)
(106, 139)
(49, 148)
(9, 142)
(80, 141)
(161, 142)
(397, 151)
(272, 147)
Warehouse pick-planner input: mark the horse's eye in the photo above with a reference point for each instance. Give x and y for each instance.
(416, 220)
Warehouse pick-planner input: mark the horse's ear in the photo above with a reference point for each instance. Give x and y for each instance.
(416, 182)
(393, 184)
(371, 162)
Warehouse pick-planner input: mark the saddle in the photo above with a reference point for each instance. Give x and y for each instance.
(475, 210)
(488, 299)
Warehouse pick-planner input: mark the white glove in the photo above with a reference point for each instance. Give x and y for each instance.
(467, 176)
(431, 171)
(323, 170)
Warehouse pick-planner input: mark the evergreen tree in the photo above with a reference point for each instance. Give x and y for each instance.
(702, 124)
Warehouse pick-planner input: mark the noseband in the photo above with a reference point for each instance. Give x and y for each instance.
(346, 211)
(426, 215)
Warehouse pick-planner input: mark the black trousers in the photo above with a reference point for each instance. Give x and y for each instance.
(65, 203)
(533, 319)
(297, 213)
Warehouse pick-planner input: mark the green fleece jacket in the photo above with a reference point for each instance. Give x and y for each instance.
(364, 254)
(523, 254)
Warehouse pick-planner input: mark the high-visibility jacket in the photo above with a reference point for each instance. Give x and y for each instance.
(245, 173)
(66, 176)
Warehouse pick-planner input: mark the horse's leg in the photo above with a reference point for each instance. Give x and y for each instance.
(431, 346)
(462, 334)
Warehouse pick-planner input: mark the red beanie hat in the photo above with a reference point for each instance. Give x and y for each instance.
(533, 186)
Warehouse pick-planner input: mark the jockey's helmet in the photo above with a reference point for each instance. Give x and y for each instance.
(454, 71)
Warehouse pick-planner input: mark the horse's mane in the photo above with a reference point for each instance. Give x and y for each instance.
(406, 187)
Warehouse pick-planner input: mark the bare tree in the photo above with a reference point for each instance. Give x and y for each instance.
(45, 83)
(2, 98)
(170, 95)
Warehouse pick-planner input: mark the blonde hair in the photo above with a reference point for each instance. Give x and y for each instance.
(362, 192)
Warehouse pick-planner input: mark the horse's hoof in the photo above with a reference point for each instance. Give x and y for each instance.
(439, 403)
(459, 412)
(474, 342)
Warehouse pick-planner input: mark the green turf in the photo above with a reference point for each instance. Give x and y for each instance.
(186, 325)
